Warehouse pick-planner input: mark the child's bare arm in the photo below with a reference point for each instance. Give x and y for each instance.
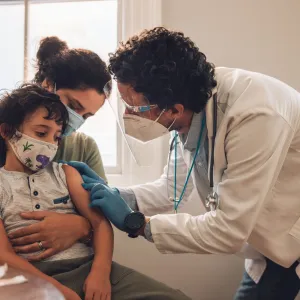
(103, 233)
(8, 255)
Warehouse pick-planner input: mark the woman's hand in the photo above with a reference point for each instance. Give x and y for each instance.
(97, 286)
(55, 231)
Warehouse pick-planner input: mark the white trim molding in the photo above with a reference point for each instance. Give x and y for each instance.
(137, 15)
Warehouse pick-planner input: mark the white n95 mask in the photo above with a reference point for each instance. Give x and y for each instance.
(144, 129)
(32, 153)
(75, 122)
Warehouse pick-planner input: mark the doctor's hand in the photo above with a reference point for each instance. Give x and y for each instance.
(87, 174)
(109, 201)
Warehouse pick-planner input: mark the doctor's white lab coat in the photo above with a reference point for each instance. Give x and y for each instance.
(256, 175)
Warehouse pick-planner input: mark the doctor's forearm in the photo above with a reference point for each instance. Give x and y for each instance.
(129, 197)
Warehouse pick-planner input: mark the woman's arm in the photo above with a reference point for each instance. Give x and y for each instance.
(7, 255)
(48, 229)
(103, 234)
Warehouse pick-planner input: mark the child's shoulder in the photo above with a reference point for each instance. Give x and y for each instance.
(11, 178)
(56, 170)
(54, 167)
(63, 171)
(8, 182)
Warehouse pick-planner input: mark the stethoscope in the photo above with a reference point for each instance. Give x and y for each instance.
(212, 200)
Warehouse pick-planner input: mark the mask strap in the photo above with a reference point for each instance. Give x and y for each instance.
(172, 124)
(161, 115)
(54, 90)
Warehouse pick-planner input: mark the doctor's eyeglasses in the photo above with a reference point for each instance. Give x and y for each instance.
(133, 107)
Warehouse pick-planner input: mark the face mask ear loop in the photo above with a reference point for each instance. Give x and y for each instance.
(54, 90)
(172, 124)
(160, 115)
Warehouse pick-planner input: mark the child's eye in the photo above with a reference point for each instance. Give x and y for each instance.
(41, 134)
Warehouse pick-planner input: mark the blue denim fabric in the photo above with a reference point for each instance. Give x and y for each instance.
(277, 283)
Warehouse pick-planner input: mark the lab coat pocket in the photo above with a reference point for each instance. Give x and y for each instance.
(295, 231)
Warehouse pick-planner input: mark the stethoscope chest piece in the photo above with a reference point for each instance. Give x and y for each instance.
(212, 201)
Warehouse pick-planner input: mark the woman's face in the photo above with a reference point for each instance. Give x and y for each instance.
(84, 102)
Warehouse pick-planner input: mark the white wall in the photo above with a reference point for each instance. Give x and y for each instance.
(260, 35)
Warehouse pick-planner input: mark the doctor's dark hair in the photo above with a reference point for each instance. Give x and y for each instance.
(17, 106)
(166, 67)
(70, 68)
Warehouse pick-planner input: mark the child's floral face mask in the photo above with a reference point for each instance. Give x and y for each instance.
(33, 153)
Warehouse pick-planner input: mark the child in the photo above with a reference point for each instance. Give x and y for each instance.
(32, 121)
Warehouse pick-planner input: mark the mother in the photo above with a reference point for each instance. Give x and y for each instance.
(78, 76)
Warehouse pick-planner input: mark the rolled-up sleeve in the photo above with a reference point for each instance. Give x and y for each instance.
(128, 195)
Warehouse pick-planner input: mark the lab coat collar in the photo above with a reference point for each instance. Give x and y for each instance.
(190, 139)
(209, 112)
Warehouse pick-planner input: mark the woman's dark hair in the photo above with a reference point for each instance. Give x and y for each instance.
(166, 67)
(22, 102)
(70, 68)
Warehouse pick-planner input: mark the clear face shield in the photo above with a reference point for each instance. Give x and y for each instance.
(135, 117)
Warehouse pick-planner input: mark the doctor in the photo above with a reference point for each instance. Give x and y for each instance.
(238, 142)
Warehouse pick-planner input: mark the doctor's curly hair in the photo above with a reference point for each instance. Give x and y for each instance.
(166, 67)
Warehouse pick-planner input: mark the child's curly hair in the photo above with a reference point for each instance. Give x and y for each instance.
(21, 103)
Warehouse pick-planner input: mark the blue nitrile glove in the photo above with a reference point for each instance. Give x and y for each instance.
(89, 177)
(109, 201)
